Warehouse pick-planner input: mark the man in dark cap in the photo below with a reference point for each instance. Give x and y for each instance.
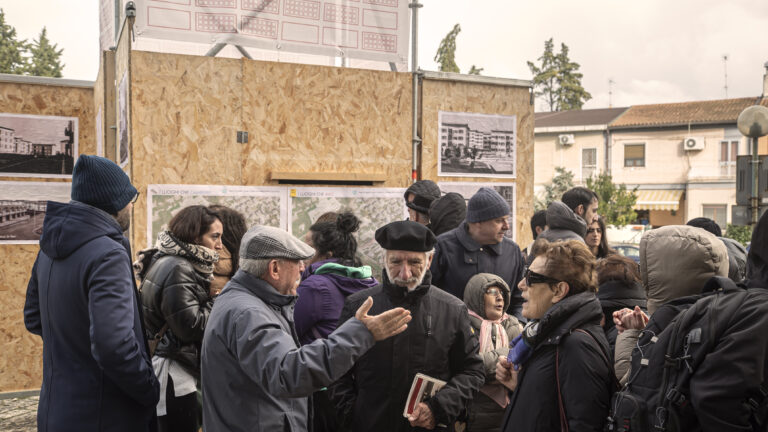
(438, 343)
(418, 198)
(479, 245)
(81, 299)
(256, 376)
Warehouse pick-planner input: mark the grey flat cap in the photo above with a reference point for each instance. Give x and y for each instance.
(263, 242)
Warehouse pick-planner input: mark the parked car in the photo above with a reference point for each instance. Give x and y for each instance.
(628, 250)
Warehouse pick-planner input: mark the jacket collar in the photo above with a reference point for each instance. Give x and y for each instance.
(401, 294)
(466, 240)
(569, 313)
(263, 290)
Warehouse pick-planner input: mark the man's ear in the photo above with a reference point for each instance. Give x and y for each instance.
(274, 269)
(560, 290)
(429, 260)
(579, 210)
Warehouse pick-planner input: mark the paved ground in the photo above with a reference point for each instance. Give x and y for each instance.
(18, 414)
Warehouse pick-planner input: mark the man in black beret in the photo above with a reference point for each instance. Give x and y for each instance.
(438, 342)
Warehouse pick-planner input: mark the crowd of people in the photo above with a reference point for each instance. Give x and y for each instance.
(234, 328)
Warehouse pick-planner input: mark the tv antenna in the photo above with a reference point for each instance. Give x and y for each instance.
(725, 68)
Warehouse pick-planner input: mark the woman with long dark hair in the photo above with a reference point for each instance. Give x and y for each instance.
(234, 228)
(176, 302)
(597, 240)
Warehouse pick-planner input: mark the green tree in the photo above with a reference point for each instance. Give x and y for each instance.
(557, 79)
(740, 233)
(12, 60)
(616, 201)
(561, 182)
(474, 70)
(45, 59)
(446, 52)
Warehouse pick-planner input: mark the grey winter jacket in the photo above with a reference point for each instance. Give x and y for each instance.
(675, 261)
(255, 375)
(563, 224)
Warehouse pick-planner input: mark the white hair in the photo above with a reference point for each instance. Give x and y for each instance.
(256, 267)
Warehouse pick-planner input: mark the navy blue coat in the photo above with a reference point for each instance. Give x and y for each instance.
(81, 298)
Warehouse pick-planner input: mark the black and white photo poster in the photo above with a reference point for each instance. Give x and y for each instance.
(37, 146)
(476, 145)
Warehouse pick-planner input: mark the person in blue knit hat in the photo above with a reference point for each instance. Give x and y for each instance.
(82, 301)
(479, 245)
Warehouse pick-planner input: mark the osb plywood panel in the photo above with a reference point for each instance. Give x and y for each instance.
(98, 103)
(443, 95)
(186, 113)
(304, 118)
(21, 359)
(21, 353)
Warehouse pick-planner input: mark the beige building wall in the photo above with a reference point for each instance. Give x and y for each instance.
(699, 196)
(665, 160)
(549, 154)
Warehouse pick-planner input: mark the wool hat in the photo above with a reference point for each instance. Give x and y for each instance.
(406, 236)
(100, 183)
(485, 205)
(424, 192)
(264, 242)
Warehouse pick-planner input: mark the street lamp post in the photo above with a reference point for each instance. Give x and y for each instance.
(753, 123)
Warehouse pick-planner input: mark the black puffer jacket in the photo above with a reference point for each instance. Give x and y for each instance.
(447, 212)
(563, 224)
(584, 373)
(616, 295)
(174, 292)
(438, 342)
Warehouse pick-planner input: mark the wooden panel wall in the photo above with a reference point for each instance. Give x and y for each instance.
(442, 95)
(21, 353)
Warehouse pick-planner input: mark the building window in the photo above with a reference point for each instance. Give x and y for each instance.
(588, 162)
(716, 212)
(634, 155)
(728, 152)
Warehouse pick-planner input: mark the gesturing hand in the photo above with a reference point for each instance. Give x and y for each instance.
(422, 417)
(506, 374)
(626, 319)
(385, 324)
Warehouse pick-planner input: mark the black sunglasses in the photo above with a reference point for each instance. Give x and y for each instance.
(531, 277)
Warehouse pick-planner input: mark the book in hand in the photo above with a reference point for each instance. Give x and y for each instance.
(422, 388)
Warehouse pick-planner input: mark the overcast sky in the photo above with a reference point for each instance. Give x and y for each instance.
(655, 51)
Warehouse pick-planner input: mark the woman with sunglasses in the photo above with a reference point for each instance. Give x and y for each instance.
(487, 297)
(597, 240)
(564, 379)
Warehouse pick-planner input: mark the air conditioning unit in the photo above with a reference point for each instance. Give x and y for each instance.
(566, 139)
(693, 143)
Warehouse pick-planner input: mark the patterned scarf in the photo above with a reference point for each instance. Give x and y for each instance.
(495, 390)
(201, 257)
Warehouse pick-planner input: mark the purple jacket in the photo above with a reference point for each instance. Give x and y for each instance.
(322, 293)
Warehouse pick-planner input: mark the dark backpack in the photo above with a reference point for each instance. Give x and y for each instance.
(671, 347)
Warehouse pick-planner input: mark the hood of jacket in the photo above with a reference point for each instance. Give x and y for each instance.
(348, 280)
(677, 260)
(447, 212)
(757, 258)
(68, 226)
(737, 259)
(561, 217)
(616, 294)
(474, 292)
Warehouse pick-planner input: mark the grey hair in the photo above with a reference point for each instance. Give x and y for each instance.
(256, 267)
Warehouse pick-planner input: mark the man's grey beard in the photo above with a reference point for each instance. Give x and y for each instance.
(406, 282)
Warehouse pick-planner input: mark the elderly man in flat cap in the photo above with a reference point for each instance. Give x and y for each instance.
(438, 343)
(255, 374)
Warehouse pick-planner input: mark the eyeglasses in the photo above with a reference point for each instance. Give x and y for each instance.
(135, 198)
(531, 277)
(594, 230)
(493, 291)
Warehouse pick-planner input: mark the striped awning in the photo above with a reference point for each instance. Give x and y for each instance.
(658, 199)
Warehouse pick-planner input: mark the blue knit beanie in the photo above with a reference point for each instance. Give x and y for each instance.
(100, 183)
(485, 205)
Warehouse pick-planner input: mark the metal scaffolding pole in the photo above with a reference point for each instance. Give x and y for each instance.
(416, 140)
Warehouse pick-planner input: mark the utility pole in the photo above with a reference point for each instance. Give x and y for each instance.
(725, 68)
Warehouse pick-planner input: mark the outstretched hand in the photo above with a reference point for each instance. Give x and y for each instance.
(626, 319)
(385, 324)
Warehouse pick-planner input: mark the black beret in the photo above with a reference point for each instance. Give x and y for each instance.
(407, 236)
